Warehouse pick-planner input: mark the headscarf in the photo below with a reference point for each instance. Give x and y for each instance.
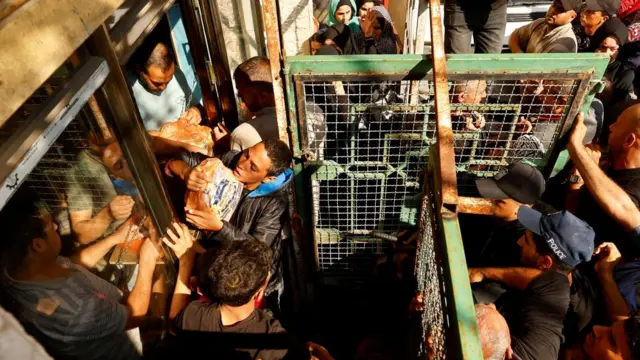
(353, 24)
(612, 27)
(387, 42)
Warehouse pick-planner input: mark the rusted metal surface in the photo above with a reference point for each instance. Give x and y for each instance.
(479, 206)
(447, 169)
(272, 28)
(74, 59)
(197, 48)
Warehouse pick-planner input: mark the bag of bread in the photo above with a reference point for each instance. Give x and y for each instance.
(223, 190)
(181, 130)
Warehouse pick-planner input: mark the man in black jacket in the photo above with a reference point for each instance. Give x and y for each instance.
(264, 171)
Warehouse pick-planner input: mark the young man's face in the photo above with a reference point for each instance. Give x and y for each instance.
(52, 241)
(609, 46)
(113, 159)
(608, 343)
(591, 20)
(155, 80)
(253, 165)
(558, 16)
(528, 252)
(344, 14)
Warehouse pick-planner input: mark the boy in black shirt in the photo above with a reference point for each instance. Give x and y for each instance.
(235, 275)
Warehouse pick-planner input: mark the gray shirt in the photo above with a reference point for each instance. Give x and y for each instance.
(77, 316)
(169, 105)
(538, 37)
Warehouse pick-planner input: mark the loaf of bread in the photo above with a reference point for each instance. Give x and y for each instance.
(223, 190)
(180, 130)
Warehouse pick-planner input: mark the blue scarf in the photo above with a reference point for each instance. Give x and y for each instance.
(272, 186)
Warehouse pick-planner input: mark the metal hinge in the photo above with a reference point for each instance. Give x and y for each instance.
(212, 74)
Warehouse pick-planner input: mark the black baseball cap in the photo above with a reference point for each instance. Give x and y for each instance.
(609, 7)
(575, 5)
(571, 239)
(519, 181)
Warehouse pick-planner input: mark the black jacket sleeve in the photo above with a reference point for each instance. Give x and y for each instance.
(266, 227)
(192, 159)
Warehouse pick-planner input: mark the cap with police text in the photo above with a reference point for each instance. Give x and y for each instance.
(571, 239)
(610, 7)
(520, 182)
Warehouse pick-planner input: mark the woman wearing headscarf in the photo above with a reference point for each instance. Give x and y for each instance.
(378, 35)
(609, 39)
(343, 12)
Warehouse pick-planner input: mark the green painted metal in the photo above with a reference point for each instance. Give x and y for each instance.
(460, 306)
(583, 67)
(420, 65)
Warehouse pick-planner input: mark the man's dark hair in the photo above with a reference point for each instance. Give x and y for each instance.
(543, 249)
(21, 222)
(234, 272)
(279, 154)
(156, 53)
(256, 69)
(632, 328)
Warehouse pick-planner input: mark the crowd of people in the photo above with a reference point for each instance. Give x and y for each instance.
(554, 275)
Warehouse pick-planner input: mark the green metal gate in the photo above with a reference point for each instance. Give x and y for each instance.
(363, 129)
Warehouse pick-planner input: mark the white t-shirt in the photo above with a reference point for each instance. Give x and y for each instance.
(169, 105)
(538, 37)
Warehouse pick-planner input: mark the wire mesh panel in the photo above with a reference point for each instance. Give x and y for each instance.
(366, 128)
(370, 140)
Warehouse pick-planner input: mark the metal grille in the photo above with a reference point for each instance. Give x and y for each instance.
(34, 103)
(370, 141)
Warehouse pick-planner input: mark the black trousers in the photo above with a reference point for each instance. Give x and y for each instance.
(484, 20)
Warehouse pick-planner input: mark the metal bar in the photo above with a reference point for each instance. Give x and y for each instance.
(471, 205)
(420, 65)
(135, 25)
(460, 301)
(444, 133)
(20, 154)
(198, 54)
(272, 29)
(133, 138)
(219, 60)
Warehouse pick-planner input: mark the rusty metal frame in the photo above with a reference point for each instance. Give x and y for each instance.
(198, 54)
(206, 12)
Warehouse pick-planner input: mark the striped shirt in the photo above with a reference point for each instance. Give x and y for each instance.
(78, 316)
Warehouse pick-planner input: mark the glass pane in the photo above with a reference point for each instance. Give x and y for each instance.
(85, 184)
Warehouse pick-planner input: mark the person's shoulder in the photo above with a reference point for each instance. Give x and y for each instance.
(199, 315)
(550, 281)
(272, 325)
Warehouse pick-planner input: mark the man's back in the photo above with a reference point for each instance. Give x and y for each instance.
(254, 335)
(76, 316)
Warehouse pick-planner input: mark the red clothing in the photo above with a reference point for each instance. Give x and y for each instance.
(628, 7)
